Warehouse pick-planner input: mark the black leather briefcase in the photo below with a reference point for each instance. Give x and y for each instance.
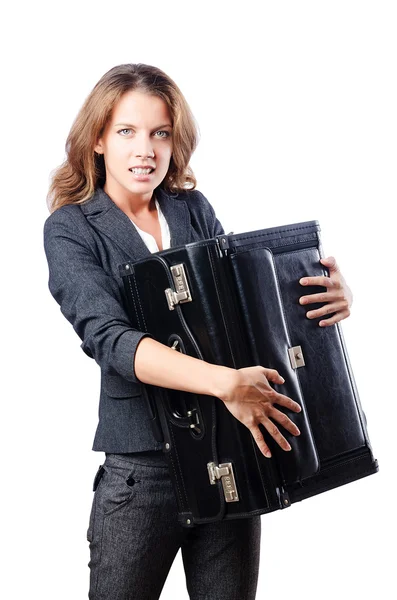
(234, 300)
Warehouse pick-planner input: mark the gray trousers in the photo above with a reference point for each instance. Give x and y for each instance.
(134, 536)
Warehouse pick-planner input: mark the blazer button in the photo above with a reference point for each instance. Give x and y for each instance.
(130, 481)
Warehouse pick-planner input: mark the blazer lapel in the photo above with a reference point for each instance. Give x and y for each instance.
(104, 215)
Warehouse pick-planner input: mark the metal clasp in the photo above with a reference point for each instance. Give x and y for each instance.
(224, 472)
(194, 420)
(296, 357)
(182, 293)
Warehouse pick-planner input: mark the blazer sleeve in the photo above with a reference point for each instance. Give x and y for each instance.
(89, 297)
(217, 227)
(214, 226)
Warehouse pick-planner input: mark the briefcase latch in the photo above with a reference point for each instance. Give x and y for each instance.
(296, 357)
(182, 293)
(224, 472)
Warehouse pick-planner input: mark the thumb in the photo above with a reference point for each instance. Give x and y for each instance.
(330, 262)
(273, 375)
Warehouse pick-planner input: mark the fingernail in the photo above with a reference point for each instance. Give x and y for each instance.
(282, 379)
(267, 453)
(303, 281)
(288, 447)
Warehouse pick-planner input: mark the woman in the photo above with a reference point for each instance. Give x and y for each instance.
(125, 190)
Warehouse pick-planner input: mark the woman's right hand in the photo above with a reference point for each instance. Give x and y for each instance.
(248, 395)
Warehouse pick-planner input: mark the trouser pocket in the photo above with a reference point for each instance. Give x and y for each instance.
(97, 479)
(118, 485)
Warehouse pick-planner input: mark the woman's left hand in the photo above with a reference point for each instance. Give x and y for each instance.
(338, 296)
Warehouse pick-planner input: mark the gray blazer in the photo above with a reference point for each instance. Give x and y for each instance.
(84, 244)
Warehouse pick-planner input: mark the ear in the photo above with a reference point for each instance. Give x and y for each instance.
(98, 147)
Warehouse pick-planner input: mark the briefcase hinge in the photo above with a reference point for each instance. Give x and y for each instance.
(224, 472)
(182, 293)
(284, 497)
(223, 243)
(296, 357)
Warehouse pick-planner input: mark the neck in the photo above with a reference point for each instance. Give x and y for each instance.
(142, 210)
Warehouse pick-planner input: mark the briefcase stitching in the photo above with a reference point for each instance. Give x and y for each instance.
(133, 299)
(180, 470)
(281, 244)
(248, 237)
(139, 300)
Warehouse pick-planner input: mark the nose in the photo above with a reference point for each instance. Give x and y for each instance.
(145, 155)
(144, 148)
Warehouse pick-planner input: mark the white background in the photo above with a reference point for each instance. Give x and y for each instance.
(296, 104)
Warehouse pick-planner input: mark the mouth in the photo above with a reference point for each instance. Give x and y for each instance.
(141, 171)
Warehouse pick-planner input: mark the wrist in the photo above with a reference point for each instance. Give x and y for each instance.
(221, 380)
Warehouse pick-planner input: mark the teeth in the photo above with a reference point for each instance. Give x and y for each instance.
(141, 171)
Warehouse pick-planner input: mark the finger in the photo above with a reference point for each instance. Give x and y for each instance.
(333, 295)
(275, 433)
(285, 421)
(259, 440)
(311, 298)
(319, 280)
(335, 318)
(273, 375)
(330, 263)
(284, 401)
(333, 307)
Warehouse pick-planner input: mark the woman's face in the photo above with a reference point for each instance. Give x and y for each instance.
(139, 132)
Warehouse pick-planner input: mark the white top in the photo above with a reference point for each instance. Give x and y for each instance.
(165, 232)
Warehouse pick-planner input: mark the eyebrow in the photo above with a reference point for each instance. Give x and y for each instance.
(134, 126)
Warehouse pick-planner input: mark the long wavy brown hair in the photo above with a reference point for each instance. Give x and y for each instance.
(83, 171)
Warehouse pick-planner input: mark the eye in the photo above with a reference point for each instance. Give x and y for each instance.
(167, 134)
(120, 130)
